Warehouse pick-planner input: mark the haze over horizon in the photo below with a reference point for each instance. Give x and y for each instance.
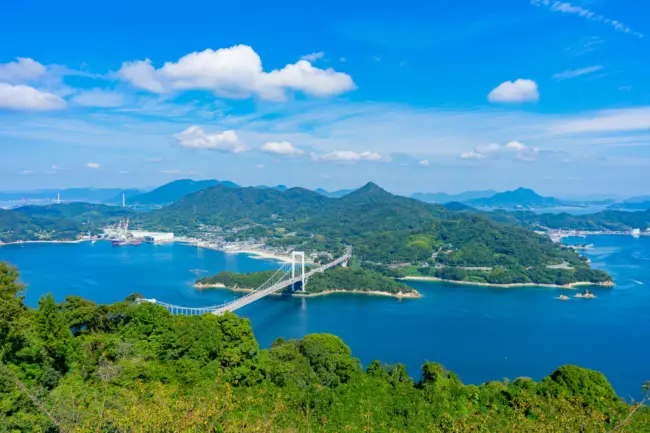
(436, 97)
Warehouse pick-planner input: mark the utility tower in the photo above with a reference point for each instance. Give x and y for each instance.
(301, 256)
(123, 200)
(58, 198)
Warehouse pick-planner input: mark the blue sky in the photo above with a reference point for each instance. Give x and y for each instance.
(416, 96)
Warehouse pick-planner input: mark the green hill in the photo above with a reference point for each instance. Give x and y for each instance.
(174, 191)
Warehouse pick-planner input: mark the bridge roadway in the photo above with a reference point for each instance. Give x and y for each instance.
(259, 293)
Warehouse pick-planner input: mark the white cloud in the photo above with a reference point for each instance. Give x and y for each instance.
(568, 8)
(26, 172)
(424, 162)
(92, 165)
(124, 172)
(342, 60)
(260, 166)
(22, 70)
(519, 90)
(99, 98)
(515, 145)
(472, 155)
(573, 73)
(55, 167)
(235, 72)
(520, 151)
(632, 119)
(141, 74)
(154, 160)
(281, 148)
(350, 156)
(171, 172)
(378, 59)
(195, 137)
(21, 97)
(311, 58)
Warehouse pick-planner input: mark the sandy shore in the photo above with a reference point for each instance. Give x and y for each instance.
(399, 295)
(264, 255)
(508, 286)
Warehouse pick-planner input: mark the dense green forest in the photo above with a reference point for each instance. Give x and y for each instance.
(614, 220)
(77, 366)
(335, 279)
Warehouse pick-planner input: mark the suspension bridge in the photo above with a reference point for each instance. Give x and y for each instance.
(285, 276)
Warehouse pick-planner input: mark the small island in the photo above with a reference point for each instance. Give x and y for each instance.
(336, 280)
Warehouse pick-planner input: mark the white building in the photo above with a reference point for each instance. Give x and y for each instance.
(152, 236)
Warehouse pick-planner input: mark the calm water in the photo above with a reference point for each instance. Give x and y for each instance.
(480, 333)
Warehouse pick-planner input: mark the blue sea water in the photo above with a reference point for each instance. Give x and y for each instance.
(480, 333)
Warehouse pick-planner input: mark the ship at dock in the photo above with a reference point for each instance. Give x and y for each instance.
(121, 235)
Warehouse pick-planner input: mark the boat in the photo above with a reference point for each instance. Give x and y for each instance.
(564, 298)
(116, 242)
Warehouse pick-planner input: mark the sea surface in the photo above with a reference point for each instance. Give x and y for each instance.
(481, 333)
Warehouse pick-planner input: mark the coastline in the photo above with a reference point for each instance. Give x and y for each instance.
(262, 255)
(77, 241)
(508, 286)
(398, 295)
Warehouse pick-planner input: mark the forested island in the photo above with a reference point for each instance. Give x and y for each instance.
(335, 280)
(80, 366)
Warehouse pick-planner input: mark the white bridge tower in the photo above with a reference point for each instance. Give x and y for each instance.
(301, 256)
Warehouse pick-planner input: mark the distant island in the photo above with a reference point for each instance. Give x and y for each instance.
(336, 280)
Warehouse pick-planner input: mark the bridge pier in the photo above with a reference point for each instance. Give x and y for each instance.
(301, 256)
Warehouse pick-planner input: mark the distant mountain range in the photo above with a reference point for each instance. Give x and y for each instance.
(173, 191)
(334, 194)
(442, 197)
(89, 195)
(519, 198)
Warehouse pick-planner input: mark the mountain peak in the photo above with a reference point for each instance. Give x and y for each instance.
(369, 192)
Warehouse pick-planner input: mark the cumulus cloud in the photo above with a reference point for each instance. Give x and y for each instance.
(124, 172)
(424, 162)
(26, 172)
(195, 137)
(519, 150)
(22, 70)
(350, 156)
(519, 90)
(92, 165)
(568, 8)
(99, 98)
(234, 72)
(260, 166)
(574, 73)
(21, 97)
(311, 58)
(283, 148)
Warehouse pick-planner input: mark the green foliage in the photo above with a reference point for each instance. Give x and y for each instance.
(136, 368)
(236, 280)
(333, 280)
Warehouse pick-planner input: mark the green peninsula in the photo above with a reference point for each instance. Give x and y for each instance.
(335, 280)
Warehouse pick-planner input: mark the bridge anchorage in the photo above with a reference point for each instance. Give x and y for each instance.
(285, 276)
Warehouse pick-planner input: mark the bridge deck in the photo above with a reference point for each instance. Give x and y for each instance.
(259, 293)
